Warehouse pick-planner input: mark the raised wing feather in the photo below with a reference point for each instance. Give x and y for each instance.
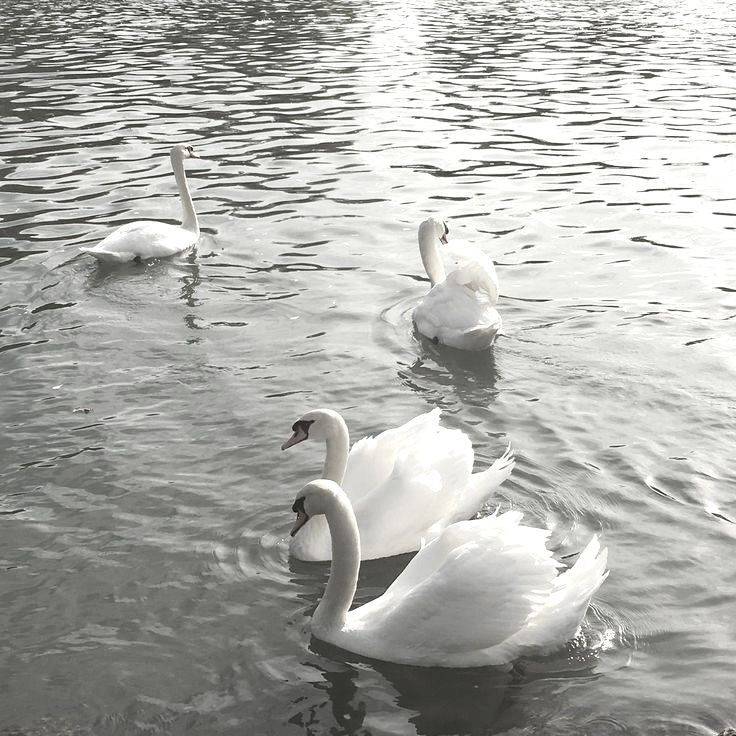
(427, 482)
(480, 486)
(471, 268)
(559, 618)
(372, 459)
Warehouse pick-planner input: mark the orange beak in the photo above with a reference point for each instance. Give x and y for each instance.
(299, 436)
(301, 520)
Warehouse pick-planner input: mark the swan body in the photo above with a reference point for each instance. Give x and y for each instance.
(483, 592)
(459, 310)
(151, 239)
(405, 484)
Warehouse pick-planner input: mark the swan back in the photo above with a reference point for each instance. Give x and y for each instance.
(458, 317)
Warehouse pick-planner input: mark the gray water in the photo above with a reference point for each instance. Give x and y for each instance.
(588, 147)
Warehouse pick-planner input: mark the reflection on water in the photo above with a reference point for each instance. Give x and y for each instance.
(450, 374)
(439, 701)
(146, 585)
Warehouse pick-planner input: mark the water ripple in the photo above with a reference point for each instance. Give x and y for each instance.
(584, 145)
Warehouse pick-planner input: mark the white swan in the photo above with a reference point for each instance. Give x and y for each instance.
(483, 592)
(151, 239)
(406, 484)
(459, 309)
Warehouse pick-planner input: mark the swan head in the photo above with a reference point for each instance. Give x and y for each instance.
(315, 498)
(319, 424)
(182, 151)
(434, 227)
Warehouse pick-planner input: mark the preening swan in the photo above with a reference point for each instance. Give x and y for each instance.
(405, 485)
(149, 238)
(483, 592)
(459, 309)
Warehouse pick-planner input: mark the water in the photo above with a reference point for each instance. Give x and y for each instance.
(146, 585)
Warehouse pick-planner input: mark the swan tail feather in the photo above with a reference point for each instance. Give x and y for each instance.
(483, 484)
(560, 617)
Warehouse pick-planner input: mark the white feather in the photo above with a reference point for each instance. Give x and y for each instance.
(483, 592)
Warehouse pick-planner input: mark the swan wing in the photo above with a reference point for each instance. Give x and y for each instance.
(472, 268)
(559, 618)
(143, 239)
(470, 589)
(372, 459)
(422, 492)
(481, 485)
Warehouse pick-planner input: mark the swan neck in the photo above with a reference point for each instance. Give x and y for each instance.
(189, 216)
(431, 258)
(338, 448)
(332, 610)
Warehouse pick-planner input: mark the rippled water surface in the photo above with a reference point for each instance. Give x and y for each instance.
(145, 582)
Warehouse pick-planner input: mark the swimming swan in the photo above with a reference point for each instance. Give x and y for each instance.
(483, 592)
(406, 484)
(459, 309)
(151, 239)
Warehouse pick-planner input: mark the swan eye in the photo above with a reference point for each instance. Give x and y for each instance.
(298, 506)
(447, 229)
(303, 424)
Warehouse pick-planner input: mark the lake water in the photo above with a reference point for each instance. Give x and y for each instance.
(588, 147)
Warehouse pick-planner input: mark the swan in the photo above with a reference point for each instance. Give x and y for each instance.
(406, 484)
(483, 592)
(151, 239)
(459, 310)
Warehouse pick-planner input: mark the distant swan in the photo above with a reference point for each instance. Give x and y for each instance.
(151, 239)
(459, 310)
(483, 592)
(406, 484)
